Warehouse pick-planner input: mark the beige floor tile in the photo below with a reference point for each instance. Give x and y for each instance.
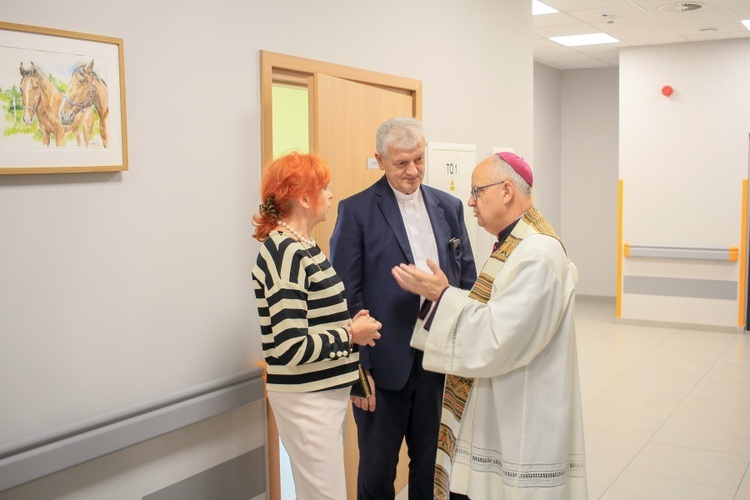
(629, 486)
(690, 465)
(692, 433)
(403, 494)
(602, 373)
(647, 390)
(600, 479)
(713, 410)
(611, 452)
(726, 388)
(745, 485)
(589, 392)
(730, 371)
(648, 386)
(660, 365)
(627, 423)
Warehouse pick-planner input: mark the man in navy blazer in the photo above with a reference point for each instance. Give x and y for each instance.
(397, 220)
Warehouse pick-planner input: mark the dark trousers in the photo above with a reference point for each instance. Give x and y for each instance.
(412, 413)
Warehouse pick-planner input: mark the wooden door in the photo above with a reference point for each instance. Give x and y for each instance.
(346, 107)
(347, 117)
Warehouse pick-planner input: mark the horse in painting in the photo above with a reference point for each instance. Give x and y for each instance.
(86, 89)
(41, 98)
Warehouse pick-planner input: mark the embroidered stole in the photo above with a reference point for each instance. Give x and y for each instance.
(457, 389)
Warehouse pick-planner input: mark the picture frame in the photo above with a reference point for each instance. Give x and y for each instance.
(62, 100)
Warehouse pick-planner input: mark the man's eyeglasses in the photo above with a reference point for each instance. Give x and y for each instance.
(476, 191)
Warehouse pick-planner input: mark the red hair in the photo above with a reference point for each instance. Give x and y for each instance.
(288, 177)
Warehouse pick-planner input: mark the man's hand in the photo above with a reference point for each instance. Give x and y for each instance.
(428, 285)
(367, 404)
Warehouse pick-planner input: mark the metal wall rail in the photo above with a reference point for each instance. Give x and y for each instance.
(28, 459)
(665, 252)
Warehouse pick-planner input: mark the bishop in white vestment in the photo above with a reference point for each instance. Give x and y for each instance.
(512, 425)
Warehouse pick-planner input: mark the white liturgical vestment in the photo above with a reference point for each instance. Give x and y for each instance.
(520, 434)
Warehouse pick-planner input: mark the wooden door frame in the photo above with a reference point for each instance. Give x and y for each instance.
(283, 68)
(275, 67)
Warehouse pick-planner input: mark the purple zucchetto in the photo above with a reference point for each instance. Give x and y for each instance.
(519, 165)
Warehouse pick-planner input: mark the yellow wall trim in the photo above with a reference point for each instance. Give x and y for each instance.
(743, 259)
(618, 309)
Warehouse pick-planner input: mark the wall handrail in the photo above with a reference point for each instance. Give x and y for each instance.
(48, 452)
(668, 252)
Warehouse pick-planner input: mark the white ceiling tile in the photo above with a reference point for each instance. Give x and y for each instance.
(654, 5)
(599, 50)
(574, 57)
(556, 53)
(567, 5)
(658, 41)
(590, 64)
(741, 12)
(573, 29)
(718, 16)
(650, 34)
(731, 4)
(711, 36)
(625, 11)
(553, 20)
(554, 48)
(627, 25)
(732, 28)
(549, 63)
(635, 23)
(541, 44)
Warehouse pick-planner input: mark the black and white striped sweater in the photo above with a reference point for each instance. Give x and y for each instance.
(302, 310)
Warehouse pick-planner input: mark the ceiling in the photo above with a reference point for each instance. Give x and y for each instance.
(634, 23)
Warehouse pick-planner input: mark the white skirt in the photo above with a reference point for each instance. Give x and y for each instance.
(311, 427)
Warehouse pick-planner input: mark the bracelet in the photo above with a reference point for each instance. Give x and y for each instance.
(350, 332)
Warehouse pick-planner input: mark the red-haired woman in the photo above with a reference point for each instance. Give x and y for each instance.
(308, 336)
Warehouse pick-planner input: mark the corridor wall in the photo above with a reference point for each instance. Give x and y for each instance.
(683, 168)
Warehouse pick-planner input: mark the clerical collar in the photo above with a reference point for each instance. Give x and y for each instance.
(405, 197)
(503, 235)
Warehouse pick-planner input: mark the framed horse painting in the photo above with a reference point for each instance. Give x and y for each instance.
(63, 97)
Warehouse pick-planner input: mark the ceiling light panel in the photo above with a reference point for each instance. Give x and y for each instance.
(538, 8)
(588, 39)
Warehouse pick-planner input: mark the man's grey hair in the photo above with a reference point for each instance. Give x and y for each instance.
(505, 171)
(402, 132)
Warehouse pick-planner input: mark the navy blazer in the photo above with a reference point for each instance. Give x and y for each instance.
(368, 241)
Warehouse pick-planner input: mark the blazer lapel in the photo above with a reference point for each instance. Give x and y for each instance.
(439, 228)
(388, 205)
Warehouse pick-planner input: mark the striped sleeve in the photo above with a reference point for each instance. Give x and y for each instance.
(301, 309)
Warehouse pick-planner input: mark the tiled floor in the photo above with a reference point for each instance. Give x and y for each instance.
(666, 410)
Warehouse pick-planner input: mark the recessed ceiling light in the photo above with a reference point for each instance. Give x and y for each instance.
(538, 7)
(746, 22)
(590, 39)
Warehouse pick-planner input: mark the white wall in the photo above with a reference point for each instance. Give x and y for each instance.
(682, 162)
(589, 176)
(121, 287)
(547, 144)
(576, 168)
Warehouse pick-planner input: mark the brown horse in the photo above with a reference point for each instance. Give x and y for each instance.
(41, 98)
(86, 89)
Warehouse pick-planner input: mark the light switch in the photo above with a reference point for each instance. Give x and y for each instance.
(372, 164)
